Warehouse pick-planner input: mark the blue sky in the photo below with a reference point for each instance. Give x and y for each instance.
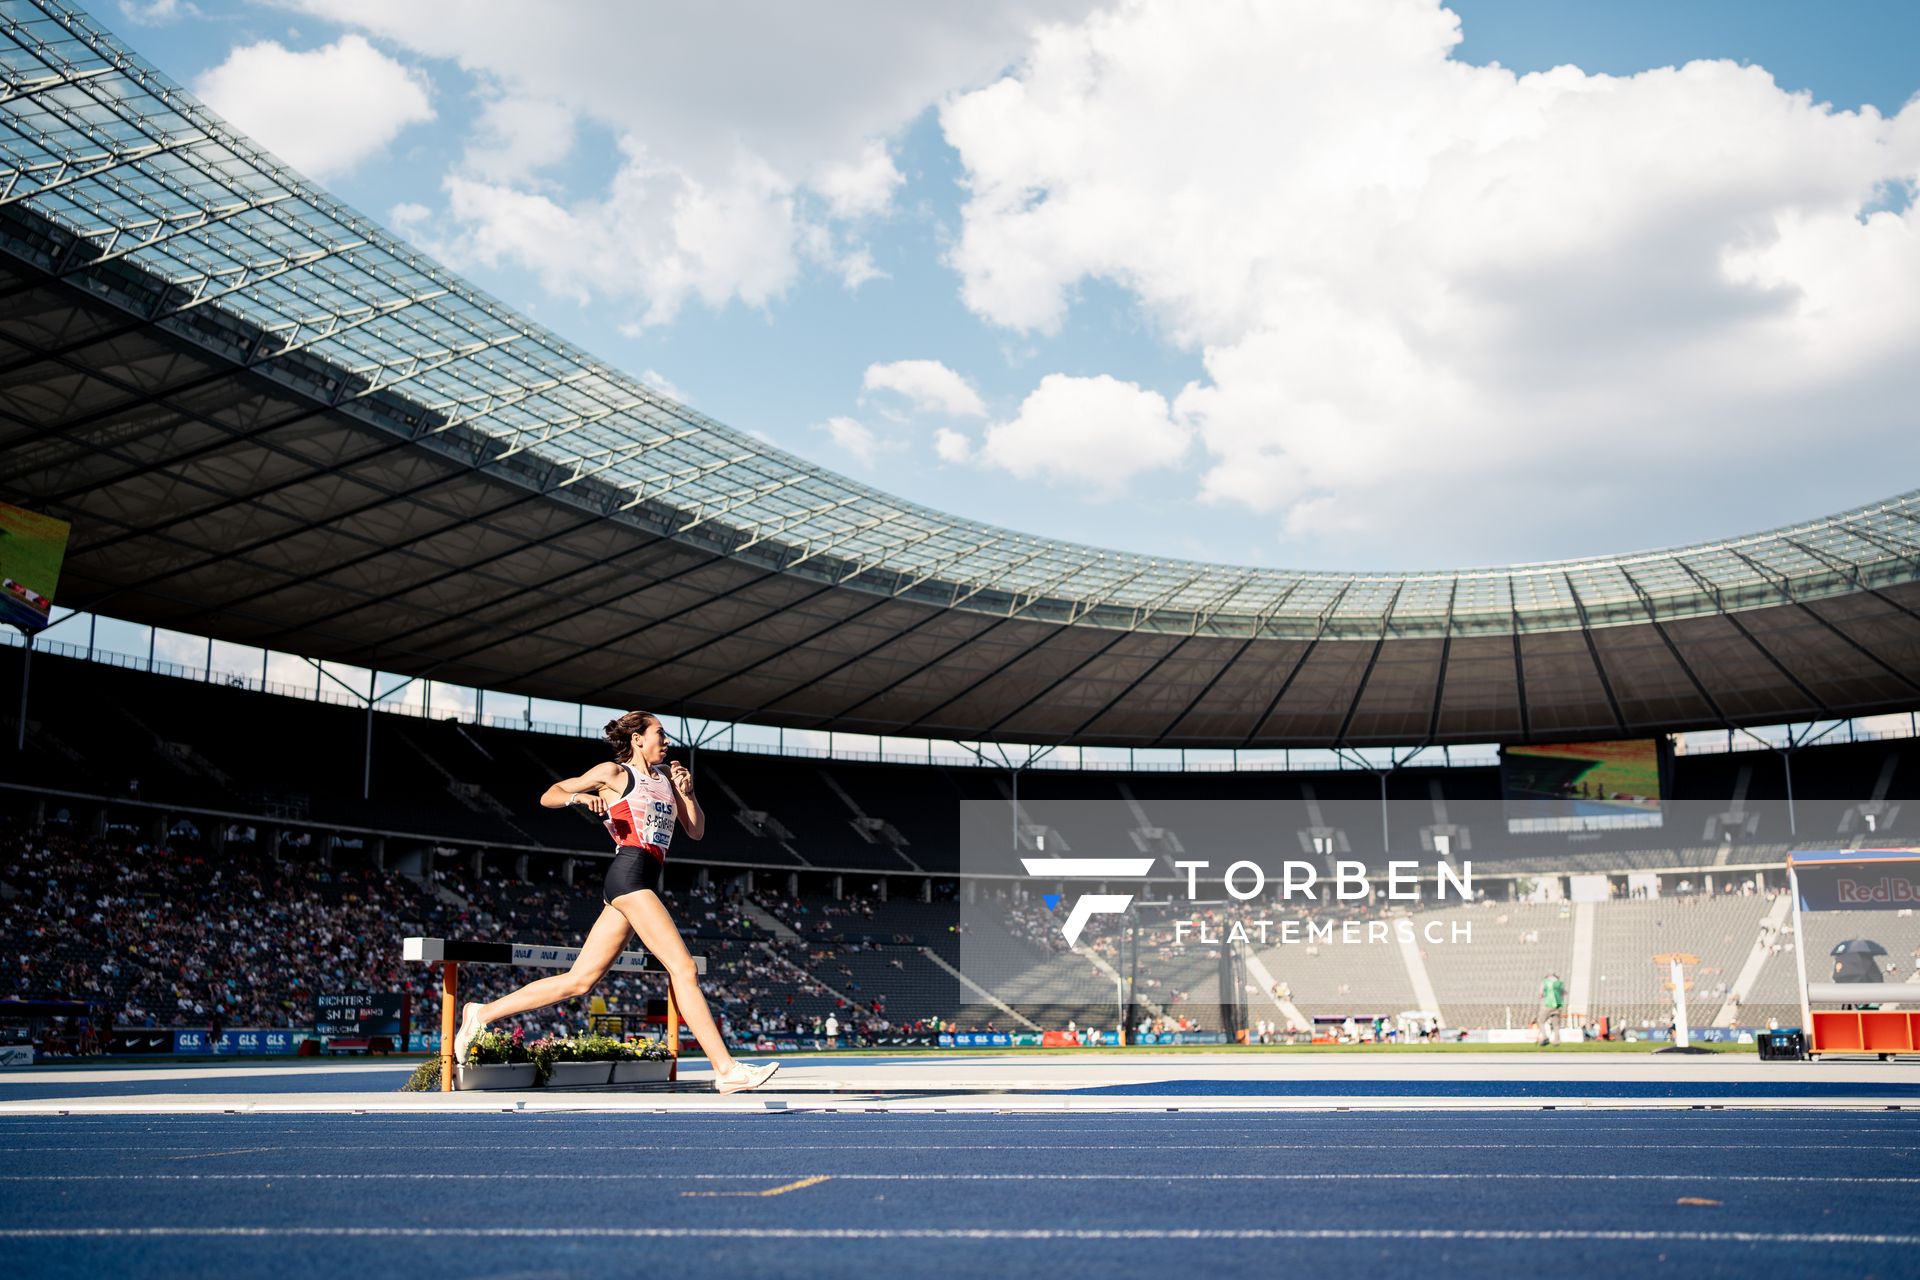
(1851, 53)
(1354, 310)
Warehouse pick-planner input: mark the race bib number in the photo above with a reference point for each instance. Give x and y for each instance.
(657, 828)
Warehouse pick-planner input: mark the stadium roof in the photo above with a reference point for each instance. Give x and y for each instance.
(273, 422)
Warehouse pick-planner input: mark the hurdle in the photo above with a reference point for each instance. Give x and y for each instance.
(451, 953)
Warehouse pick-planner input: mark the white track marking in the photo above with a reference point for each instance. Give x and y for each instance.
(1849, 1180)
(1216, 1148)
(1026, 1122)
(133, 1110)
(953, 1234)
(1345, 1122)
(1838, 1148)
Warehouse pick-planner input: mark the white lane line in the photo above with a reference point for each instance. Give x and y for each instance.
(1025, 1121)
(1850, 1180)
(180, 1122)
(820, 1122)
(788, 1104)
(957, 1234)
(951, 1117)
(836, 1121)
(907, 1127)
(374, 1077)
(1840, 1146)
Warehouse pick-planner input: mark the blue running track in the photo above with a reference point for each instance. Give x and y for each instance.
(1198, 1194)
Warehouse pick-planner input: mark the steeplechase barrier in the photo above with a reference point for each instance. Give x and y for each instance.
(451, 953)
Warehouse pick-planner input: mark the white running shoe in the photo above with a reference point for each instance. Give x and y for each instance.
(744, 1077)
(470, 1026)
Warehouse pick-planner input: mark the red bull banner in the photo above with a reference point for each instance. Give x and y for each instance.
(1858, 880)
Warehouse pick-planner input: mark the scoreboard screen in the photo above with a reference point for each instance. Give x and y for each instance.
(31, 549)
(1581, 786)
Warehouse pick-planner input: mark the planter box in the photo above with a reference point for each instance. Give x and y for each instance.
(519, 1075)
(569, 1075)
(654, 1071)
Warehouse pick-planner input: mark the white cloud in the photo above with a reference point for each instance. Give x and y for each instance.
(657, 237)
(856, 268)
(1423, 289)
(322, 111)
(157, 13)
(408, 214)
(846, 257)
(1098, 432)
(516, 137)
(862, 187)
(660, 238)
(952, 446)
(659, 382)
(290, 670)
(928, 386)
(742, 128)
(856, 439)
(180, 648)
(414, 222)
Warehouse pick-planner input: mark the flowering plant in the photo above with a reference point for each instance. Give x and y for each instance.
(650, 1050)
(590, 1048)
(594, 1048)
(496, 1048)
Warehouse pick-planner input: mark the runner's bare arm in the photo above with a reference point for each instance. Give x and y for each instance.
(583, 790)
(692, 817)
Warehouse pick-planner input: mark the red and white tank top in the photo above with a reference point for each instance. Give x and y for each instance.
(643, 818)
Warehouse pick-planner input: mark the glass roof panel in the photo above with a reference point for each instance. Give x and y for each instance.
(134, 164)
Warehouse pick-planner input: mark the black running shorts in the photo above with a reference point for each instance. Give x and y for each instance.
(632, 870)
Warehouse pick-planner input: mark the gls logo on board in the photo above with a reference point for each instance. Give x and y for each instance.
(1092, 904)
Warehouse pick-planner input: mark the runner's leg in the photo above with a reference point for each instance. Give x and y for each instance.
(602, 947)
(648, 916)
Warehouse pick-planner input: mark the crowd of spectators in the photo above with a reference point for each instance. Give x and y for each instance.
(175, 935)
(172, 934)
(157, 936)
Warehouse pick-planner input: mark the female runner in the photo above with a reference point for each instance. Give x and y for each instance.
(640, 802)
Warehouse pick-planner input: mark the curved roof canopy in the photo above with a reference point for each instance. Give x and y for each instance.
(273, 422)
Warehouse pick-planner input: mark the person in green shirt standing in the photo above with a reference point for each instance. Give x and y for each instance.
(1553, 1004)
